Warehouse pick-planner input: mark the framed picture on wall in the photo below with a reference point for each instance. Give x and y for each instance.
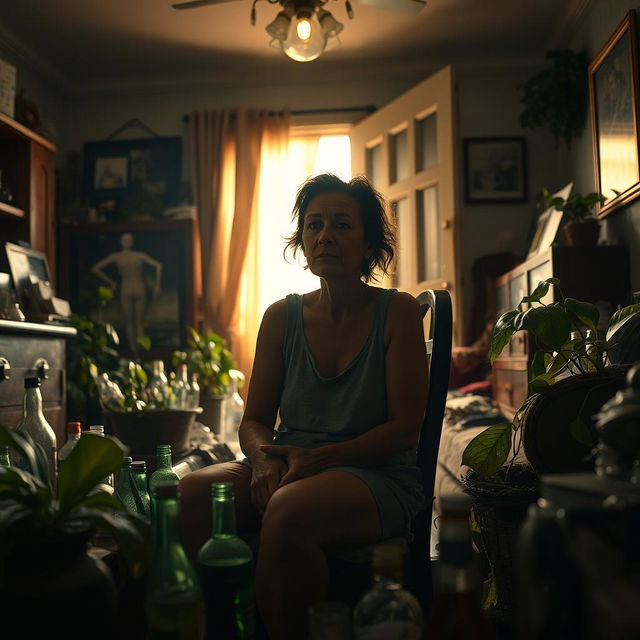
(613, 92)
(495, 170)
(153, 271)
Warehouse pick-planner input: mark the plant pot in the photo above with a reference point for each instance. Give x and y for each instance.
(54, 590)
(212, 412)
(582, 234)
(142, 431)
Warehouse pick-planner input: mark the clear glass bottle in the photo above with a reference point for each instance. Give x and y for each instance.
(159, 385)
(233, 409)
(109, 482)
(387, 611)
(4, 457)
(163, 472)
(225, 568)
(111, 395)
(125, 489)
(139, 474)
(457, 612)
(193, 395)
(173, 600)
(35, 424)
(74, 432)
(181, 388)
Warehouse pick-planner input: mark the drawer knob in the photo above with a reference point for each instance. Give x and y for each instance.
(5, 369)
(42, 367)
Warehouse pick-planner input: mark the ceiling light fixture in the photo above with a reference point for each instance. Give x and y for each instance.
(303, 29)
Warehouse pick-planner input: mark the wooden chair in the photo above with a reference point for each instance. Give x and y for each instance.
(350, 573)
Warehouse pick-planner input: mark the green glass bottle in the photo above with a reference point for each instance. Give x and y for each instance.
(163, 472)
(5, 461)
(139, 475)
(174, 604)
(225, 568)
(125, 489)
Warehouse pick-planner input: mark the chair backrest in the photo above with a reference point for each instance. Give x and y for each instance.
(418, 567)
(438, 301)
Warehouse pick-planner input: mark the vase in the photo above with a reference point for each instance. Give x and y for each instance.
(582, 234)
(53, 589)
(212, 412)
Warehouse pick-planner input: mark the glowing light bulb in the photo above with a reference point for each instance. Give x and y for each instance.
(303, 28)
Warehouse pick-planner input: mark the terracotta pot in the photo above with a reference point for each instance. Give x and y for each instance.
(143, 431)
(212, 412)
(582, 234)
(55, 590)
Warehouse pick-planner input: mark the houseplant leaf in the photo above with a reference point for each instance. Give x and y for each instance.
(621, 317)
(91, 460)
(502, 333)
(489, 450)
(586, 312)
(28, 451)
(550, 325)
(541, 290)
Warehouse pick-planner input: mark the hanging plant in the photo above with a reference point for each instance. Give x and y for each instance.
(556, 98)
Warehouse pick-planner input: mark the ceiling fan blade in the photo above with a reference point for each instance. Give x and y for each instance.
(194, 4)
(403, 6)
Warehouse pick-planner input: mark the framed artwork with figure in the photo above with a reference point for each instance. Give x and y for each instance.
(495, 170)
(153, 271)
(613, 92)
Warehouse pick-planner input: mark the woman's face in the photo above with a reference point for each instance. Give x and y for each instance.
(333, 236)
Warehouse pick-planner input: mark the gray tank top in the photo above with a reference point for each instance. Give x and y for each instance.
(315, 410)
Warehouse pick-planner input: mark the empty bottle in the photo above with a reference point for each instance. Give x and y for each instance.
(4, 457)
(225, 568)
(233, 408)
(108, 484)
(74, 432)
(457, 613)
(173, 601)
(387, 611)
(181, 388)
(163, 472)
(125, 488)
(193, 395)
(35, 425)
(139, 474)
(159, 385)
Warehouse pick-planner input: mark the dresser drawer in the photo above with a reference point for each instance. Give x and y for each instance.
(510, 383)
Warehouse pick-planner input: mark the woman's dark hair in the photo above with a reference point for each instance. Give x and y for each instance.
(379, 233)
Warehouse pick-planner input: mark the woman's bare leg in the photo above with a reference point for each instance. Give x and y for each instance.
(331, 510)
(195, 502)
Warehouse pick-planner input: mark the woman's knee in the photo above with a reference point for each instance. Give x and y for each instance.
(289, 515)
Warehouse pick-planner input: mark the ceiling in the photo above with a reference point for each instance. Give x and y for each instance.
(86, 43)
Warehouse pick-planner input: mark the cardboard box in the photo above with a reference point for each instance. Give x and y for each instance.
(7, 88)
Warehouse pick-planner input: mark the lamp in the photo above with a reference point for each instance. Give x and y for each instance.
(303, 29)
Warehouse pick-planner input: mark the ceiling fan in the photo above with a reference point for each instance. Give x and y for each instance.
(303, 29)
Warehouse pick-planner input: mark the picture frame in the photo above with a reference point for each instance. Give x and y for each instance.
(547, 225)
(25, 262)
(613, 102)
(94, 255)
(125, 176)
(495, 170)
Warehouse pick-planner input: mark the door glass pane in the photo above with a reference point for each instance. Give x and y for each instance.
(517, 290)
(426, 142)
(501, 300)
(399, 162)
(374, 164)
(400, 212)
(428, 226)
(538, 274)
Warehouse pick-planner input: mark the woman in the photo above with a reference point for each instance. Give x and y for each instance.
(345, 366)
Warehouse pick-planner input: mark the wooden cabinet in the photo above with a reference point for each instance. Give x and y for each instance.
(27, 165)
(31, 349)
(591, 274)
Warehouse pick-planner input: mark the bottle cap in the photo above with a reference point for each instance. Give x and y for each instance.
(126, 461)
(166, 489)
(97, 428)
(139, 465)
(31, 383)
(74, 427)
(163, 449)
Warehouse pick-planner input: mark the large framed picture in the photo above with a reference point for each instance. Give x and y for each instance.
(495, 170)
(153, 271)
(133, 177)
(613, 91)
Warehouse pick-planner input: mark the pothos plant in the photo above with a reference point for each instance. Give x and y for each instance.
(562, 344)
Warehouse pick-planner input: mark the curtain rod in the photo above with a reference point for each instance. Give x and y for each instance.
(304, 112)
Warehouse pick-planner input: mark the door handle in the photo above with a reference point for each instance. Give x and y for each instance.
(5, 369)
(42, 367)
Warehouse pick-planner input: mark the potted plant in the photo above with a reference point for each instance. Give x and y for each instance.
(207, 355)
(581, 228)
(556, 98)
(44, 532)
